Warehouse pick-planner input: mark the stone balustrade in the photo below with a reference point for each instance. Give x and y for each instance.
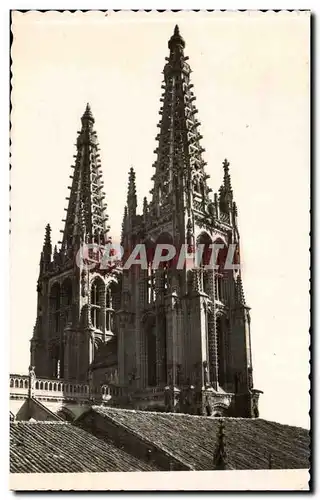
(58, 389)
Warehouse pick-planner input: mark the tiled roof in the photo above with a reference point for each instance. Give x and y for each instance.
(62, 447)
(249, 443)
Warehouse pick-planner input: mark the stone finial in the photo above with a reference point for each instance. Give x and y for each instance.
(220, 456)
(87, 115)
(176, 39)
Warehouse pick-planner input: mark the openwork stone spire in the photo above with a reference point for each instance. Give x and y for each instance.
(179, 165)
(86, 213)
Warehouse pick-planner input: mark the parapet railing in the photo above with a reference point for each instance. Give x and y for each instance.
(59, 388)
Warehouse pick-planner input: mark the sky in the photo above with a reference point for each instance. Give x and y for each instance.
(251, 80)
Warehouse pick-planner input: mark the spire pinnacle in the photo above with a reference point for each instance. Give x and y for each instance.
(87, 115)
(226, 176)
(132, 195)
(47, 237)
(47, 246)
(220, 456)
(176, 39)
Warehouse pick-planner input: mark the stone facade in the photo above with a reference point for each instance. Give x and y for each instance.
(168, 339)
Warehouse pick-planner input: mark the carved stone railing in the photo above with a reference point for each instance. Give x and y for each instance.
(56, 389)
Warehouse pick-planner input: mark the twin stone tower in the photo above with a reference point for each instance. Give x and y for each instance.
(164, 339)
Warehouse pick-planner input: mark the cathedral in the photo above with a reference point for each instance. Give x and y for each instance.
(138, 367)
(168, 339)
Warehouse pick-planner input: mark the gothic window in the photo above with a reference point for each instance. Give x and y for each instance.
(151, 284)
(151, 356)
(97, 291)
(110, 308)
(219, 287)
(55, 295)
(66, 300)
(208, 282)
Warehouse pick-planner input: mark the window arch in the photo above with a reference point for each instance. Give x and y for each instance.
(96, 303)
(112, 303)
(66, 299)
(204, 250)
(162, 274)
(55, 300)
(151, 350)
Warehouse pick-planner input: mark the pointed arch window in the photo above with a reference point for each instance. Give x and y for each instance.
(95, 307)
(55, 296)
(152, 356)
(97, 290)
(151, 284)
(219, 287)
(110, 308)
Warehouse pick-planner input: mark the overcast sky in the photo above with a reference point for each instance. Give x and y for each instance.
(251, 80)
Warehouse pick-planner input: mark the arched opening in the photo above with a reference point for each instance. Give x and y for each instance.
(66, 298)
(26, 384)
(55, 306)
(57, 362)
(97, 302)
(112, 304)
(220, 272)
(150, 289)
(205, 259)
(162, 272)
(151, 351)
(41, 385)
(21, 384)
(11, 383)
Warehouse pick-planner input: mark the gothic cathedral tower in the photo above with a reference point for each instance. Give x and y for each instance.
(184, 334)
(75, 330)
